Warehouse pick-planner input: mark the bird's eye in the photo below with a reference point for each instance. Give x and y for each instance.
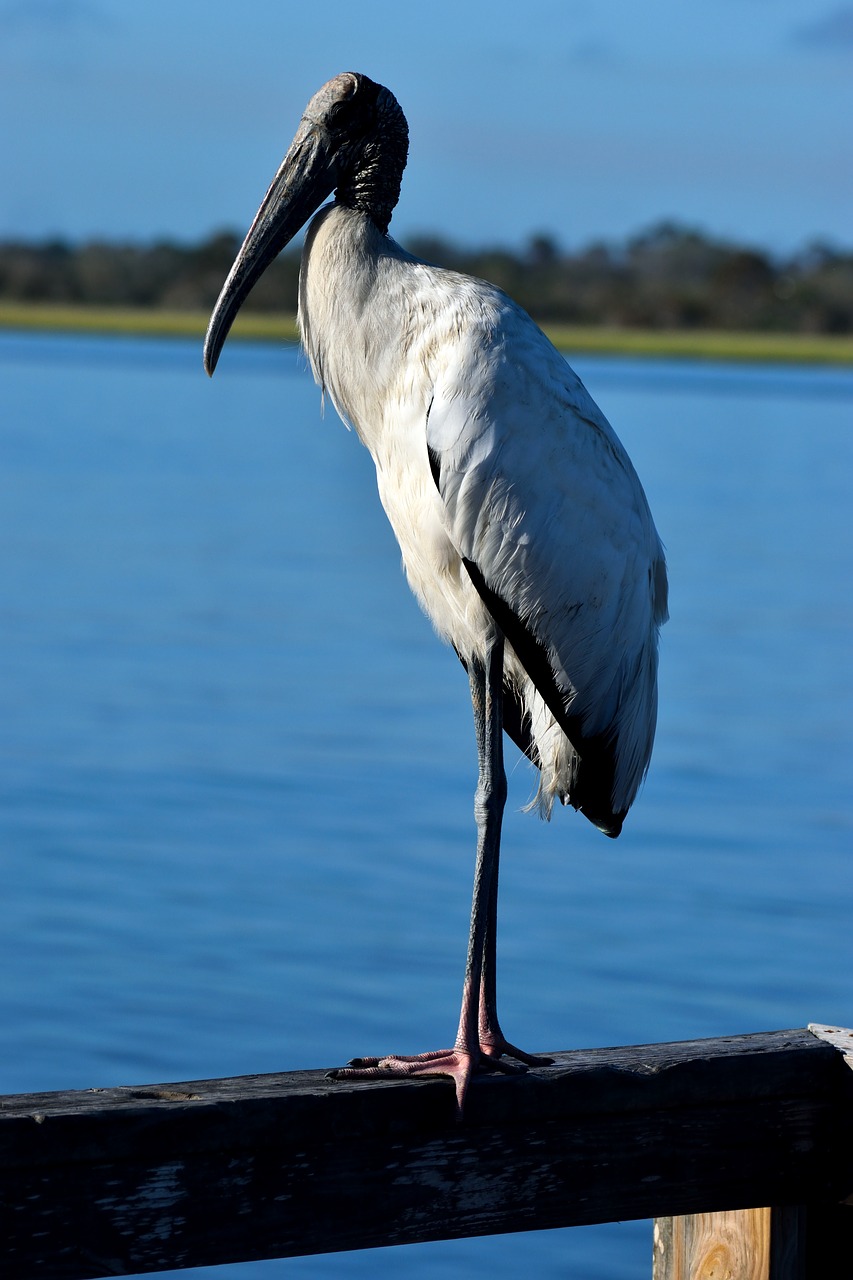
(341, 112)
(343, 108)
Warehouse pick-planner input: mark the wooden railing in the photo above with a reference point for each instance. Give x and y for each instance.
(128, 1180)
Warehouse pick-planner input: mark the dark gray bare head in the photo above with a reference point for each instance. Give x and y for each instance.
(352, 139)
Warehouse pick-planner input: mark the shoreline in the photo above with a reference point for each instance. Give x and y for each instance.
(755, 346)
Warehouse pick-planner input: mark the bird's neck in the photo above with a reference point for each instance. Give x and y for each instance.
(373, 185)
(354, 312)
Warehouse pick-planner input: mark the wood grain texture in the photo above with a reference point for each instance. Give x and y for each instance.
(126, 1180)
(790, 1242)
(728, 1245)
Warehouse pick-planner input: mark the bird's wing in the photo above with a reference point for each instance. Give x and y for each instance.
(542, 502)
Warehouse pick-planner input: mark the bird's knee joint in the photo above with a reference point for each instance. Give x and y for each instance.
(488, 799)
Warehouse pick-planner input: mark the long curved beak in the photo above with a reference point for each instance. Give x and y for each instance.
(307, 175)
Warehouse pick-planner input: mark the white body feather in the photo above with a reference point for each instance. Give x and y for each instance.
(534, 486)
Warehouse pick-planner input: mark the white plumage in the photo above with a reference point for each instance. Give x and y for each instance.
(535, 487)
(524, 530)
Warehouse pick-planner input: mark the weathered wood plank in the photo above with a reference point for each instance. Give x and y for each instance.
(839, 1037)
(127, 1180)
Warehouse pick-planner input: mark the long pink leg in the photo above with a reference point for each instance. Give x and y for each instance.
(493, 1042)
(479, 1039)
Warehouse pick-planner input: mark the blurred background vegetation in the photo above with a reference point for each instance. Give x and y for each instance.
(667, 277)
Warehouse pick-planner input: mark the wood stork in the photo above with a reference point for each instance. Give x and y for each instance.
(524, 530)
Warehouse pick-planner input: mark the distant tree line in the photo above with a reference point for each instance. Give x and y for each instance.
(670, 276)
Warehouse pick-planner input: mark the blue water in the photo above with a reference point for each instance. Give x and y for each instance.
(237, 766)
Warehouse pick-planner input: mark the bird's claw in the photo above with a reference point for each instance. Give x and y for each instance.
(449, 1062)
(502, 1047)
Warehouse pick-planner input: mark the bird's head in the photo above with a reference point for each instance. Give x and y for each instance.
(352, 139)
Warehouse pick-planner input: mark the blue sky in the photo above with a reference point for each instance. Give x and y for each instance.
(581, 118)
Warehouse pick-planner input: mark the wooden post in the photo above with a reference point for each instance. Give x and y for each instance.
(802, 1242)
(729, 1245)
(790, 1243)
(115, 1181)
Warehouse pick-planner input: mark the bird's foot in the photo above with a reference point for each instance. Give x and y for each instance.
(459, 1064)
(493, 1044)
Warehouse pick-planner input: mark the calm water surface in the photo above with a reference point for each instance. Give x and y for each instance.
(237, 767)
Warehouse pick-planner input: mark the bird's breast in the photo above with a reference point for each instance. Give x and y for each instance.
(432, 563)
(374, 330)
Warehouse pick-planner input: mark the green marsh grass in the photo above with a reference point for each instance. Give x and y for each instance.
(792, 348)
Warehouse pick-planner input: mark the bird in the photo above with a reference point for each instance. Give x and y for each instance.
(524, 530)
